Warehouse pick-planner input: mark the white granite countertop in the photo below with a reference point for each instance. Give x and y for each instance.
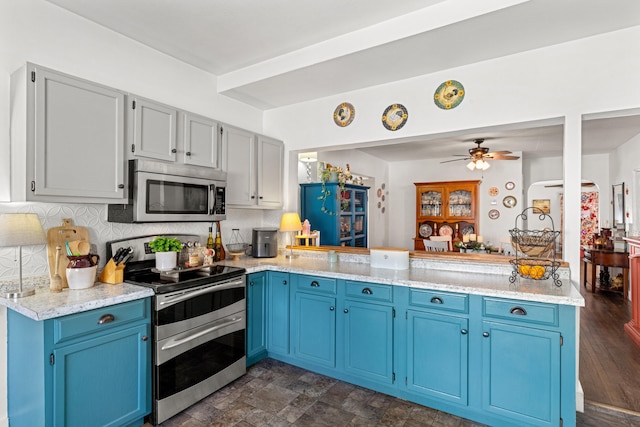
(453, 276)
(47, 305)
(480, 278)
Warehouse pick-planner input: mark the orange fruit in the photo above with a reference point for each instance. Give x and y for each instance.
(537, 271)
(524, 270)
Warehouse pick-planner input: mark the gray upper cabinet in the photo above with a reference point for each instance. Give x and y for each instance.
(201, 141)
(255, 169)
(270, 172)
(68, 140)
(152, 130)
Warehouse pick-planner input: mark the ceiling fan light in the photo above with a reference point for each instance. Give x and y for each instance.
(471, 166)
(485, 165)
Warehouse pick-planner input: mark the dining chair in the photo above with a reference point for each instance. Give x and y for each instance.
(433, 246)
(443, 239)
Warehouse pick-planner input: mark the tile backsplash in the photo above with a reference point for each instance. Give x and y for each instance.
(94, 218)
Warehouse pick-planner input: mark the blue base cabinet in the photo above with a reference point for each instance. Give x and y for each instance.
(256, 317)
(278, 297)
(74, 371)
(497, 361)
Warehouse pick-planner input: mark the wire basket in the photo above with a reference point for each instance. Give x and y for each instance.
(535, 250)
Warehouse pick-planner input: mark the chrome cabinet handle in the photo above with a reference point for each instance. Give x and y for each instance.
(519, 311)
(367, 291)
(188, 153)
(436, 300)
(120, 185)
(284, 282)
(251, 283)
(485, 334)
(464, 332)
(107, 318)
(346, 310)
(315, 284)
(145, 338)
(173, 150)
(332, 308)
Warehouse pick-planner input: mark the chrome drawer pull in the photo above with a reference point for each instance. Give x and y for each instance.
(519, 311)
(464, 332)
(367, 291)
(315, 284)
(107, 318)
(485, 334)
(436, 300)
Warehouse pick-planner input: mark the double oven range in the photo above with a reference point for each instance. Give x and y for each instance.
(198, 322)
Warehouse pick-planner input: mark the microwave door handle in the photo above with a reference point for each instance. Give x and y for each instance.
(212, 199)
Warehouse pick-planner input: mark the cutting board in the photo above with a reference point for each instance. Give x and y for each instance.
(58, 236)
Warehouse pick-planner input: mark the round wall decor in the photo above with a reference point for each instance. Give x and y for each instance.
(394, 117)
(494, 214)
(509, 201)
(509, 185)
(449, 95)
(344, 114)
(493, 191)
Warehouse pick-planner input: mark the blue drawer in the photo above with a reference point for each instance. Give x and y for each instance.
(78, 325)
(438, 300)
(322, 285)
(369, 291)
(520, 311)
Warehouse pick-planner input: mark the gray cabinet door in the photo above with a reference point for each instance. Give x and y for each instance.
(241, 160)
(270, 172)
(78, 138)
(202, 145)
(153, 129)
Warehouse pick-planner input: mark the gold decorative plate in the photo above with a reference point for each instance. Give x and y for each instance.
(493, 191)
(394, 117)
(509, 201)
(344, 114)
(449, 95)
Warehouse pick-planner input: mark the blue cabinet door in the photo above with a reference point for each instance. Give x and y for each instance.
(521, 373)
(437, 358)
(315, 329)
(278, 312)
(256, 312)
(103, 380)
(368, 341)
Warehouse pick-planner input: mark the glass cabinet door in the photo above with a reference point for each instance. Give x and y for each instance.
(431, 203)
(460, 204)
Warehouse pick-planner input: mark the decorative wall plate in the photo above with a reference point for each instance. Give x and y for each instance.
(425, 230)
(494, 214)
(467, 230)
(446, 230)
(394, 117)
(379, 192)
(509, 185)
(449, 95)
(344, 114)
(493, 191)
(509, 201)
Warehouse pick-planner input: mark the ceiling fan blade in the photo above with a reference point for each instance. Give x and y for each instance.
(501, 157)
(499, 152)
(454, 160)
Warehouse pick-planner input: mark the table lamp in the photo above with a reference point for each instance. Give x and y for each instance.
(290, 222)
(20, 229)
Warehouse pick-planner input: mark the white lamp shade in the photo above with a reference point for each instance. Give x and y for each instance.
(21, 229)
(290, 222)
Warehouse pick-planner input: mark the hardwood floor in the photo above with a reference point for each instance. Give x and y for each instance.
(609, 360)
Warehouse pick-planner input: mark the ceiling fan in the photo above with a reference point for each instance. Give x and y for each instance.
(478, 156)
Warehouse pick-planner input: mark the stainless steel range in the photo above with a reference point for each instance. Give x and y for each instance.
(199, 324)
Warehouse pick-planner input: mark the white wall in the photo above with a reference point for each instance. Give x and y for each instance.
(623, 162)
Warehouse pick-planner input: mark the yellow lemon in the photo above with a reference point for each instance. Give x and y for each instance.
(537, 271)
(524, 270)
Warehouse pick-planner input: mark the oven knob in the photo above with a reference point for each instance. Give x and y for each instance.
(189, 244)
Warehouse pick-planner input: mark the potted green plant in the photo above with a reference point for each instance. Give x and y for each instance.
(166, 250)
(339, 175)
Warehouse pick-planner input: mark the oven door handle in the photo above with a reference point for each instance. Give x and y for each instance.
(190, 294)
(175, 343)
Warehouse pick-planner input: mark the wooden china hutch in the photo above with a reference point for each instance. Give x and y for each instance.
(632, 328)
(446, 208)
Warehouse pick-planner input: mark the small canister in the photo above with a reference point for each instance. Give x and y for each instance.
(332, 256)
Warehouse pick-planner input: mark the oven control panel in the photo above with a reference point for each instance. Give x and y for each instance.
(140, 249)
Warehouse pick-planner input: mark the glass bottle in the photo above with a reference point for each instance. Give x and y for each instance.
(210, 243)
(219, 255)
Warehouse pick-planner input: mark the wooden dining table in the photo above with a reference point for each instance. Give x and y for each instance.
(606, 258)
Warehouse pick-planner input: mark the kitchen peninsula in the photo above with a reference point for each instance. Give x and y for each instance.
(451, 332)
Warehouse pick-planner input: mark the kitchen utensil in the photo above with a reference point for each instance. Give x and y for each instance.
(69, 251)
(56, 281)
(58, 236)
(80, 247)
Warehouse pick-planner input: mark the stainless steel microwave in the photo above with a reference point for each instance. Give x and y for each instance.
(163, 192)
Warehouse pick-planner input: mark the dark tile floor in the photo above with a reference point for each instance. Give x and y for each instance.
(276, 394)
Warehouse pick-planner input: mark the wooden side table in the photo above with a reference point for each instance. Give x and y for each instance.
(606, 258)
